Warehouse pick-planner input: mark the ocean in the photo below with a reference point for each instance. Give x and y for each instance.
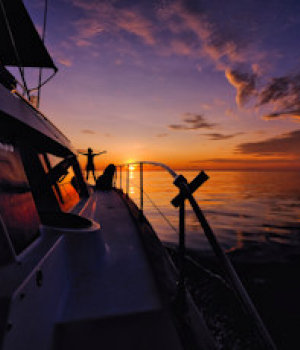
(245, 209)
(256, 218)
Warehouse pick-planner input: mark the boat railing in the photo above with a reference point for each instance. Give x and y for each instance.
(186, 191)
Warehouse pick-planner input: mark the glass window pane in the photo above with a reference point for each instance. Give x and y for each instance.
(65, 187)
(69, 195)
(17, 207)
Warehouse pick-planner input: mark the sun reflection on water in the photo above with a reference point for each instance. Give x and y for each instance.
(241, 207)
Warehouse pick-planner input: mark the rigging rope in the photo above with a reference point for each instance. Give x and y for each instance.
(159, 211)
(44, 82)
(24, 85)
(12, 39)
(41, 70)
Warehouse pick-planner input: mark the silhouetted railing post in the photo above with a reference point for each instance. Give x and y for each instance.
(120, 169)
(127, 181)
(181, 251)
(232, 276)
(141, 189)
(185, 193)
(115, 178)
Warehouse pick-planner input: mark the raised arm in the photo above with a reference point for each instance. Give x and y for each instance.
(97, 154)
(84, 154)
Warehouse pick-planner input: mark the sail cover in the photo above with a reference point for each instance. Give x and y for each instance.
(30, 48)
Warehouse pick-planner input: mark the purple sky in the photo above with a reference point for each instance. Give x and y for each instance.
(191, 83)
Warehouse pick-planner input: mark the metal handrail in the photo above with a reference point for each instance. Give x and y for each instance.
(162, 165)
(141, 163)
(186, 193)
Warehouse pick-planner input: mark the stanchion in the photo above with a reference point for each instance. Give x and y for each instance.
(127, 181)
(141, 190)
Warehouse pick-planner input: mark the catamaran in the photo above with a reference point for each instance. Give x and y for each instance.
(82, 268)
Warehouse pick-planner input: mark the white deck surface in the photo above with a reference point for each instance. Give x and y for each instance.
(120, 280)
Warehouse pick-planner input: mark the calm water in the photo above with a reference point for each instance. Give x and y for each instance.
(245, 209)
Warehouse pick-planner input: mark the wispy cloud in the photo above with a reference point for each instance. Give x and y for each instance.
(65, 61)
(285, 144)
(237, 161)
(192, 122)
(87, 29)
(220, 137)
(234, 50)
(247, 164)
(111, 18)
(88, 131)
(284, 93)
(202, 31)
(162, 135)
(60, 54)
(137, 24)
(173, 28)
(194, 33)
(244, 84)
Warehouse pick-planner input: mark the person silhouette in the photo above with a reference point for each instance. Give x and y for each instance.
(90, 167)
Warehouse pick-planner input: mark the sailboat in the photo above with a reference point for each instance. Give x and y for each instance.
(82, 268)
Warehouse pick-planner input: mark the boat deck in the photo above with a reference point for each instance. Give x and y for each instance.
(123, 282)
(113, 298)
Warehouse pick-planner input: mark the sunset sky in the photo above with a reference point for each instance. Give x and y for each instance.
(194, 84)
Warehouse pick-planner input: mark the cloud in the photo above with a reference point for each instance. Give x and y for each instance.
(260, 132)
(232, 47)
(293, 113)
(60, 55)
(285, 144)
(219, 137)
(180, 47)
(88, 131)
(235, 47)
(244, 84)
(284, 94)
(87, 29)
(111, 18)
(278, 88)
(237, 161)
(135, 23)
(231, 37)
(162, 135)
(247, 164)
(195, 33)
(192, 122)
(65, 62)
(175, 27)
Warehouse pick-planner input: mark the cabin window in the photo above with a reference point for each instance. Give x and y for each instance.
(17, 208)
(64, 184)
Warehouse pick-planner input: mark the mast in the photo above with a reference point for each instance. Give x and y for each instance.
(21, 45)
